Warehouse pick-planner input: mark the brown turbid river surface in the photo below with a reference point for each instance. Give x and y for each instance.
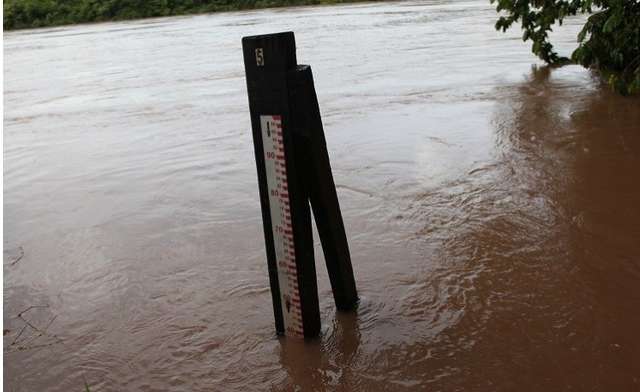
(492, 207)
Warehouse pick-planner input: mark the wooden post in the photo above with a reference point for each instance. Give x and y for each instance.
(293, 168)
(313, 159)
(285, 210)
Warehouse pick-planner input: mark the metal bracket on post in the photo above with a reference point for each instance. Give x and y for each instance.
(293, 169)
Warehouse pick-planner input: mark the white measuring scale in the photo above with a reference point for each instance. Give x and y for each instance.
(277, 184)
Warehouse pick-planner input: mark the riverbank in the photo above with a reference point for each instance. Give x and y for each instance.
(24, 14)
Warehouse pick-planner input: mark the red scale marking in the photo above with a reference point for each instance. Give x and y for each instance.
(282, 226)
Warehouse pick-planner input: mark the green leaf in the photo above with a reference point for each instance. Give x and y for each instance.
(583, 33)
(611, 23)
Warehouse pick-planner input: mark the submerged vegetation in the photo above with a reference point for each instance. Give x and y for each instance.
(20, 14)
(608, 42)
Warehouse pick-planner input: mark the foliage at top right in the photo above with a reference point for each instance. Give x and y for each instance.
(608, 42)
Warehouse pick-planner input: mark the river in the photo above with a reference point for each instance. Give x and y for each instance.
(492, 207)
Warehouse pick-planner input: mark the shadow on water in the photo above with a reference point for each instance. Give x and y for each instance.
(323, 363)
(545, 240)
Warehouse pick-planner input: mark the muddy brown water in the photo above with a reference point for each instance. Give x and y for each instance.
(492, 207)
